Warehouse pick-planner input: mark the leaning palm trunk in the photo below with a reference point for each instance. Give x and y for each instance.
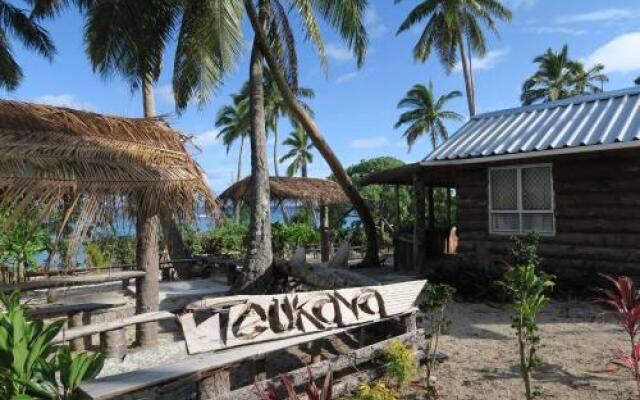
(467, 73)
(255, 274)
(371, 257)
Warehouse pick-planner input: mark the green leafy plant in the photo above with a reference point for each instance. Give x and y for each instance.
(374, 391)
(96, 256)
(401, 363)
(435, 297)
(29, 361)
(21, 242)
(230, 236)
(286, 237)
(527, 288)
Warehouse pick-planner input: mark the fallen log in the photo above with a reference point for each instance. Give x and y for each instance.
(322, 277)
(353, 359)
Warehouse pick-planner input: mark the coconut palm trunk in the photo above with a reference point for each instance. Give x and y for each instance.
(147, 288)
(255, 274)
(467, 73)
(238, 177)
(371, 257)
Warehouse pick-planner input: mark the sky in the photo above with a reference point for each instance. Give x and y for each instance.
(355, 108)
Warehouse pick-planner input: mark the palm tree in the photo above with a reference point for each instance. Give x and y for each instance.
(26, 29)
(128, 38)
(300, 151)
(426, 114)
(559, 77)
(275, 108)
(234, 123)
(455, 26)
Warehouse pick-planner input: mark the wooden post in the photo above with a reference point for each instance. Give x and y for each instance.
(113, 344)
(74, 320)
(410, 322)
(397, 199)
(316, 351)
(325, 233)
(260, 368)
(362, 336)
(419, 224)
(214, 385)
(147, 288)
(432, 214)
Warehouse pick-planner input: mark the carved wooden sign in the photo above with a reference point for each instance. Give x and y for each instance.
(239, 320)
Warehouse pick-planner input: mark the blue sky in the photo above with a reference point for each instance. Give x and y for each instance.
(356, 108)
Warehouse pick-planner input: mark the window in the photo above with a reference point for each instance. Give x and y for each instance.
(521, 200)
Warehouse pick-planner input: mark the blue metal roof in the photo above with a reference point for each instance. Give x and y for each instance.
(592, 122)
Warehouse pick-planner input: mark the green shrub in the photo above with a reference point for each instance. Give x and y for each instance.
(228, 237)
(29, 362)
(401, 363)
(376, 391)
(95, 256)
(286, 237)
(435, 297)
(527, 289)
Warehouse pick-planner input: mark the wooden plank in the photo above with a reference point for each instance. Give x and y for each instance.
(299, 313)
(112, 387)
(67, 281)
(335, 364)
(68, 334)
(50, 311)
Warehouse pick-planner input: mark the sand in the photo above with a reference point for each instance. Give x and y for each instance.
(577, 342)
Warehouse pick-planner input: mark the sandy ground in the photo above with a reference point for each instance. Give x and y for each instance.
(577, 341)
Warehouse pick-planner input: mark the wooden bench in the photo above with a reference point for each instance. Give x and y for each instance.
(77, 315)
(113, 340)
(155, 382)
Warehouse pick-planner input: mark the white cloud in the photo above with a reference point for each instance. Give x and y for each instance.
(338, 52)
(489, 61)
(346, 77)
(164, 93)
(608, 14)
(369, 143)
(619, 54)
(64, 100)
(374, 24)
(556, 30)
(206, 139)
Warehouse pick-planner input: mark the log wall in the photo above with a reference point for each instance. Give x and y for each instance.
(597, 215)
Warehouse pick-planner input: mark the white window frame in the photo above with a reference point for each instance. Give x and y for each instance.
(520, 211)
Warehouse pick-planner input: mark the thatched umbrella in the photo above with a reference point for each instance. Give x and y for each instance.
(52, 154)
(320, 191)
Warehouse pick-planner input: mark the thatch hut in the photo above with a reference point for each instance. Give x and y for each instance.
(318, 191)
(55, 157)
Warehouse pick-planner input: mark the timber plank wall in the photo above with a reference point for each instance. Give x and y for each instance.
(597, 216)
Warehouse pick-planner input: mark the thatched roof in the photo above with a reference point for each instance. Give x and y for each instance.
(283, 188)
(51, 152)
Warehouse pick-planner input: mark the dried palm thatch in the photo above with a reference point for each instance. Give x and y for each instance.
(315, 190)
(92, 162)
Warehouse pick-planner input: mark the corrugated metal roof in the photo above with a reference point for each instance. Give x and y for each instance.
(592, 122)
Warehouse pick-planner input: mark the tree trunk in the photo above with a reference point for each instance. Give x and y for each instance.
(371, 258)
(466, 72)
(304, 169)
(236, 206)
(172, 236)
(255, 274)
(147, 296)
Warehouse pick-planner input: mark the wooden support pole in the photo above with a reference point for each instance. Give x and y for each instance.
(215, 385)
(316, 352)
(260, 368)
(362, 336)
(74, 320)
(113, 344)
(147, 287)
(419, 224)
(432, 210)
(397, 201)
(325, 233)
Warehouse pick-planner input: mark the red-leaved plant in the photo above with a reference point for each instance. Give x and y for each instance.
(624, 301)
(311, 389)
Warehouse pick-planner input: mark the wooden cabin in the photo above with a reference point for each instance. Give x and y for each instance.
(569, 170)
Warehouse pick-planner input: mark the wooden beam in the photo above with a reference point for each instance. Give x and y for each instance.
(68, 281)
(335, 364)
(73, 333)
